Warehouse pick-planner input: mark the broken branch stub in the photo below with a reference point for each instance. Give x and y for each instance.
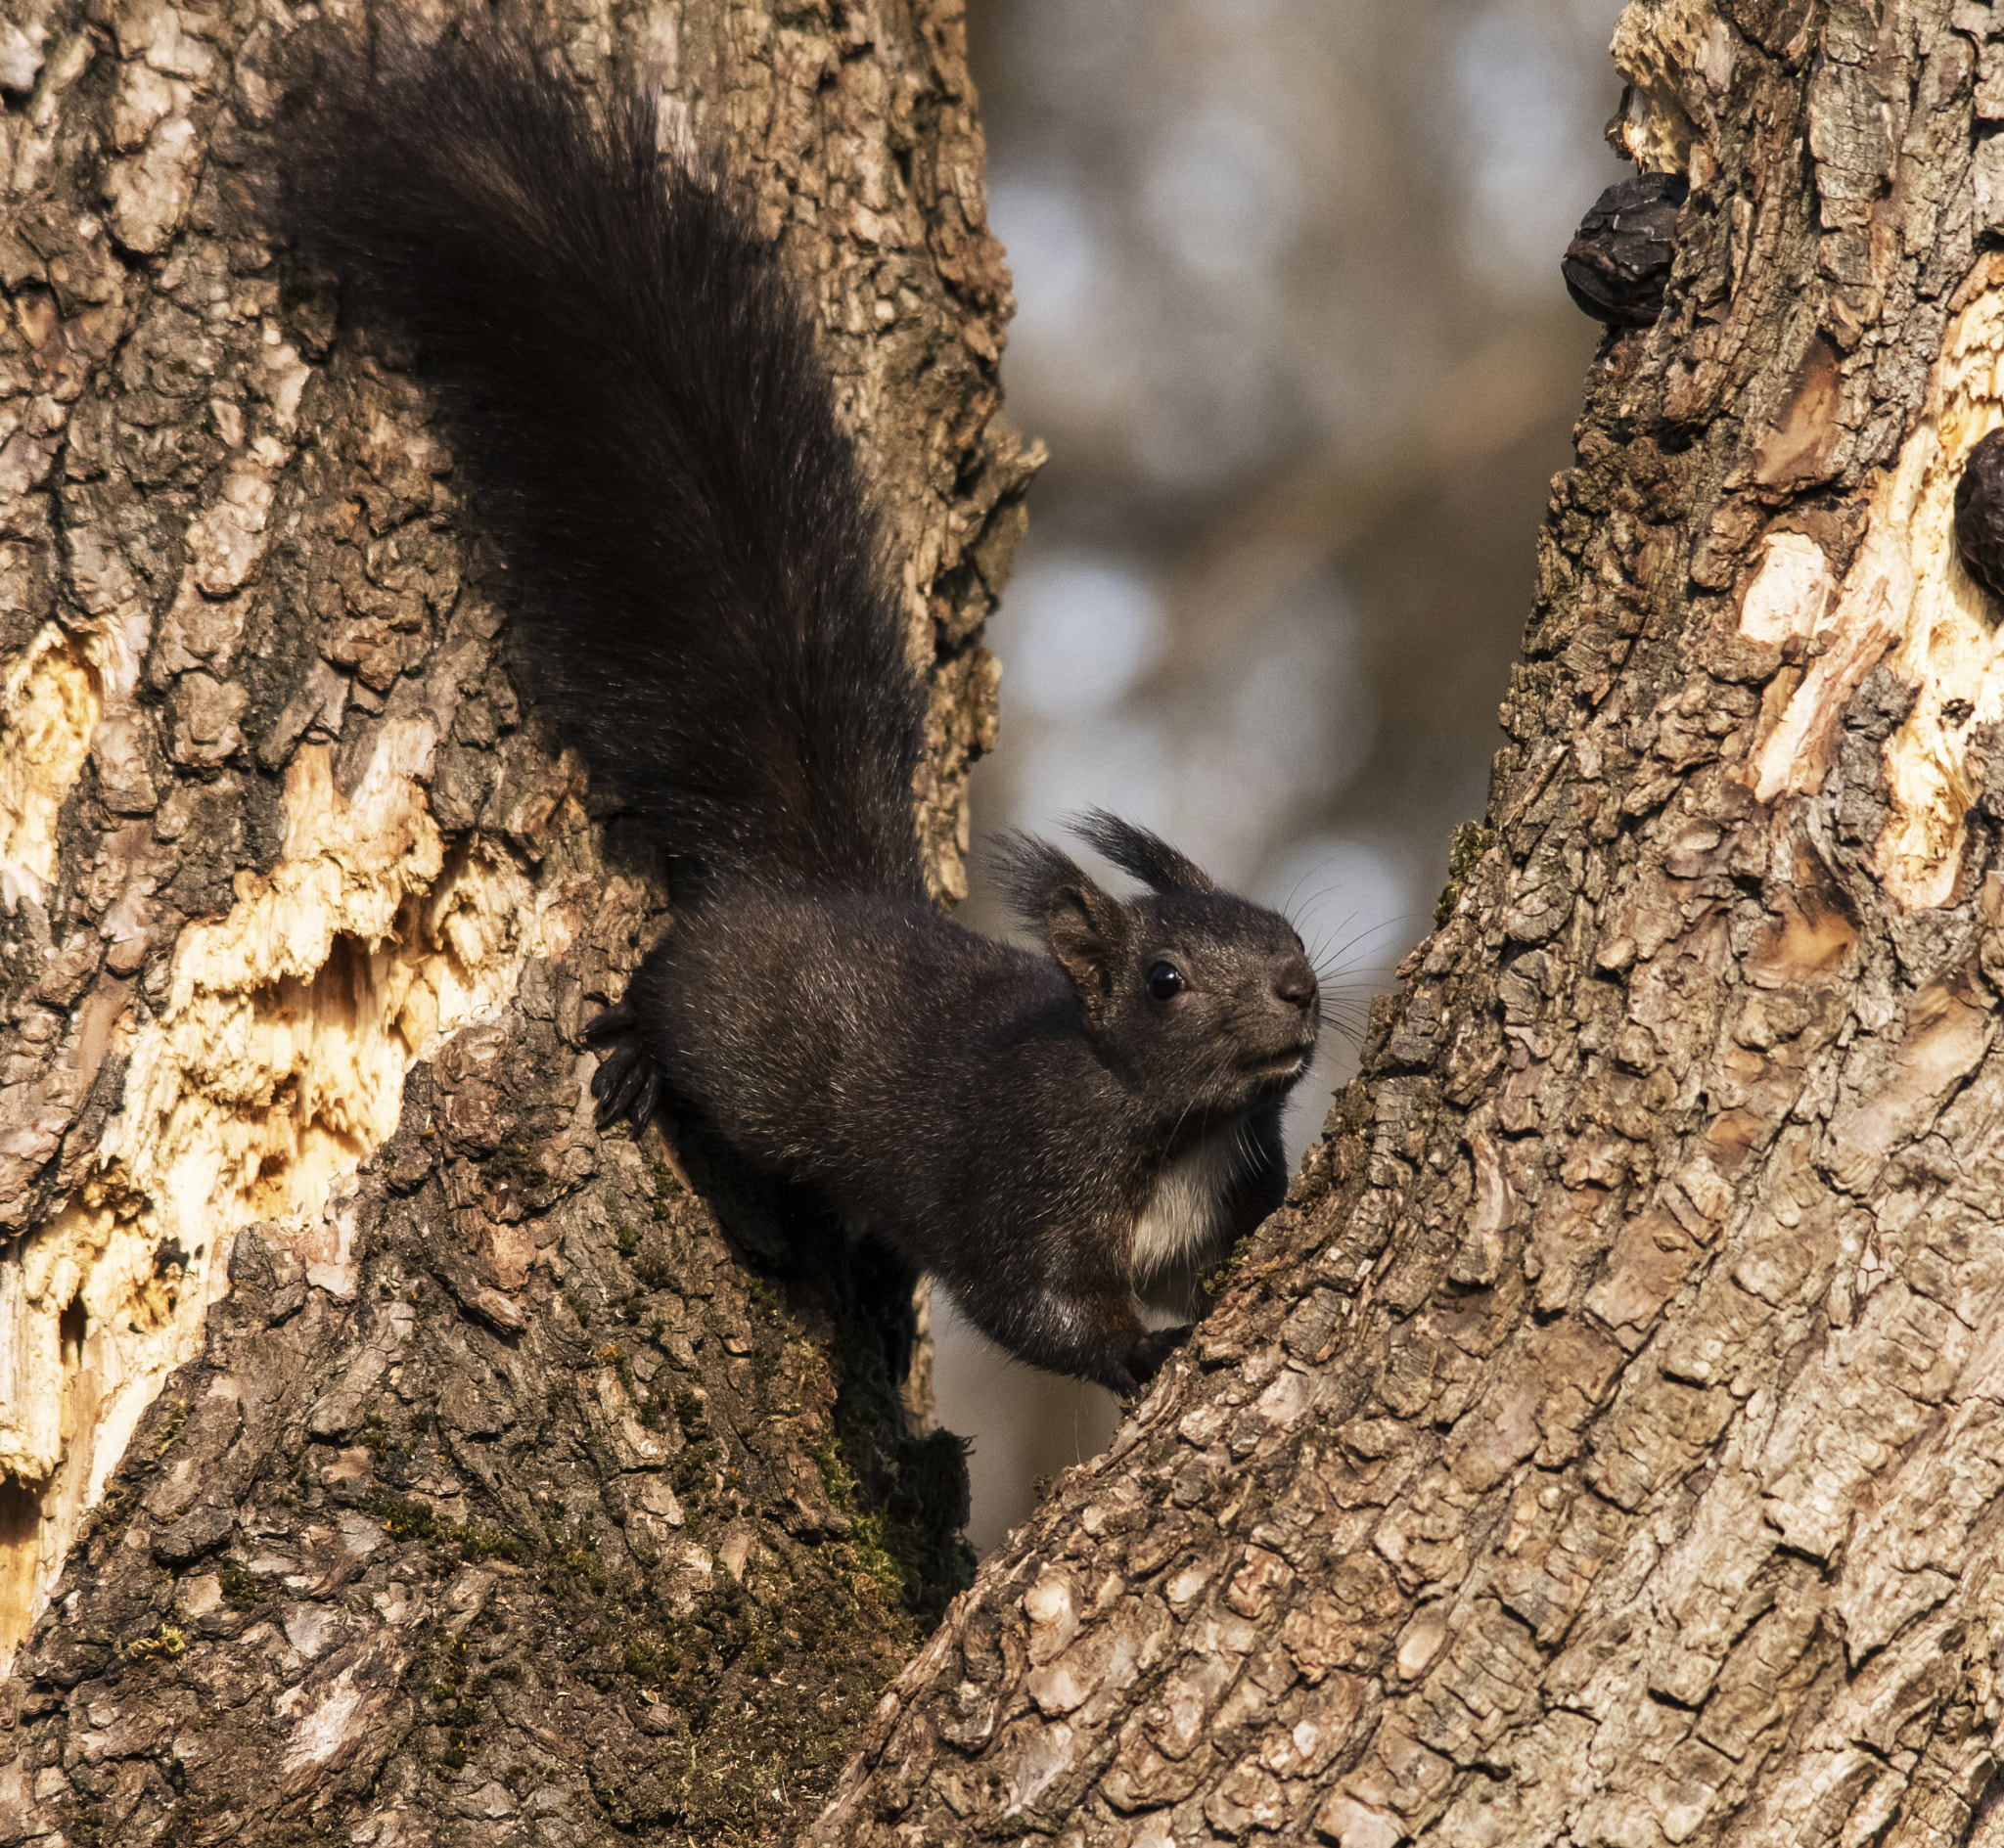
(1618, 263)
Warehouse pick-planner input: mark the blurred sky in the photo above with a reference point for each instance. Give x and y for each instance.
(1290, 320)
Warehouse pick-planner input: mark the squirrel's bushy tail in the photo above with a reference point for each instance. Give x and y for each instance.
(634, 391)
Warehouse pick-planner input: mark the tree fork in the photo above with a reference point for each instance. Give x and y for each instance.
(504, 1485)
(1602, 1446)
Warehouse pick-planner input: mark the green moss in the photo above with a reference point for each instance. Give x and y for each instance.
(164, 1644)
(582, 1557)
(654, 1408)
(872, 1557)
(477, 1544)
(455, 1700)
(1471, 842)
(1215, 1284)
(649, 1662)
(573, 1557)
(1350, 1112)
(764, 1683)
(905, 1539)
(651, 1265)
(171, 1427)
(241, 1589)
(614, 1356)
(628, 1240)
(406, 1519)
(769, 1329)
(694, 1469)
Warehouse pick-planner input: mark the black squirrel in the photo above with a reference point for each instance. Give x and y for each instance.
(699, 594)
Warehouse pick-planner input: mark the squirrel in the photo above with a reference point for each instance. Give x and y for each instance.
(701, 597)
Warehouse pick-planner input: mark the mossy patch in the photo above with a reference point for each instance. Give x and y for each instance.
(241, 1590)
(176, 1415)
(737, 1639)
(760, 1686)
(164, 1644)
(1471, 842)
(453, 1700)
(405, 1520)
(906, 1497)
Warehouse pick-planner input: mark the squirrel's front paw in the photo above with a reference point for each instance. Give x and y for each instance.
(1146, 1357)
(629, 1081)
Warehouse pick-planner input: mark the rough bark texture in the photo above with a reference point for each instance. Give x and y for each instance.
(503, 1493)
(1604, 1445)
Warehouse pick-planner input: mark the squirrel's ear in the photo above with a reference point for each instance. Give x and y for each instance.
(1086, 931)
(1146, 856)
(1084, 928)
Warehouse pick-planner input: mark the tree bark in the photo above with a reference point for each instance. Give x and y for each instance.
(500, 1486)
(1602, 1446)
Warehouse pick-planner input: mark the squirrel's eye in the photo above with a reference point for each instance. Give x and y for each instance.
(1165, 979)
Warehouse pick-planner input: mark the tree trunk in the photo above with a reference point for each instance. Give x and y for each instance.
(1604, 1445)
(498, 1487)
(1601, 1447)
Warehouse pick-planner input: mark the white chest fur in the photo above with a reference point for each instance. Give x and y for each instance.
(1180, 1234)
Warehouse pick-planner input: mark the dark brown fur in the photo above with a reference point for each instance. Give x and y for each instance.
(701, 597)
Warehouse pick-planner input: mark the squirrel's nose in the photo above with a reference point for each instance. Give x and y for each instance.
(1294, 985)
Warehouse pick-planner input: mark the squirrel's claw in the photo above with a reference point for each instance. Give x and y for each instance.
(629, 1082)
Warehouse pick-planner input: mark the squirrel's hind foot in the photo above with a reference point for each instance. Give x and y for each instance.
(629, 1081)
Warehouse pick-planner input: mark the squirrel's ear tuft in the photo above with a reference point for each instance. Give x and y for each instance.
(1146, 856)
(1031, 871)
(1084, 928)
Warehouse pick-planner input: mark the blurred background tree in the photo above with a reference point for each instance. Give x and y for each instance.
(1290, 320)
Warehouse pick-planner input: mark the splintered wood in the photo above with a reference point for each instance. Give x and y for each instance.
(1906, 602)
(273, 1066)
